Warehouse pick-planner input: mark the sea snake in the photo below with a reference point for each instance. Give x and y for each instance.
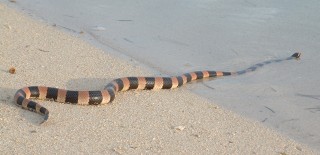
(22, 96)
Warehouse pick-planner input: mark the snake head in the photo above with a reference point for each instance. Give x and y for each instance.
(296, 55)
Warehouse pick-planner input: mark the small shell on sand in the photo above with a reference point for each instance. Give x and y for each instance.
(180, 128)
(119, 150)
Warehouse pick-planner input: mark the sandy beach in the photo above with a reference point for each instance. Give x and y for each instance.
(137, 122)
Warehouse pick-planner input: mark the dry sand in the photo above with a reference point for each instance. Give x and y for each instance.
(144, 122)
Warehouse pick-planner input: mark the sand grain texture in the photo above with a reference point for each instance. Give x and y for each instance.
(146, 122)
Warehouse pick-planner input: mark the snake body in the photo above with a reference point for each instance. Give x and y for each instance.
(23, 95)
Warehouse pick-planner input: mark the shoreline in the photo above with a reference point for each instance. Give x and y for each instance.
(166, 121)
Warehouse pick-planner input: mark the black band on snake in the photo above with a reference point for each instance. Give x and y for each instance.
(22, 96)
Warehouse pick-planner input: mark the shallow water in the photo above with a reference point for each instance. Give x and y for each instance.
(172, 37)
